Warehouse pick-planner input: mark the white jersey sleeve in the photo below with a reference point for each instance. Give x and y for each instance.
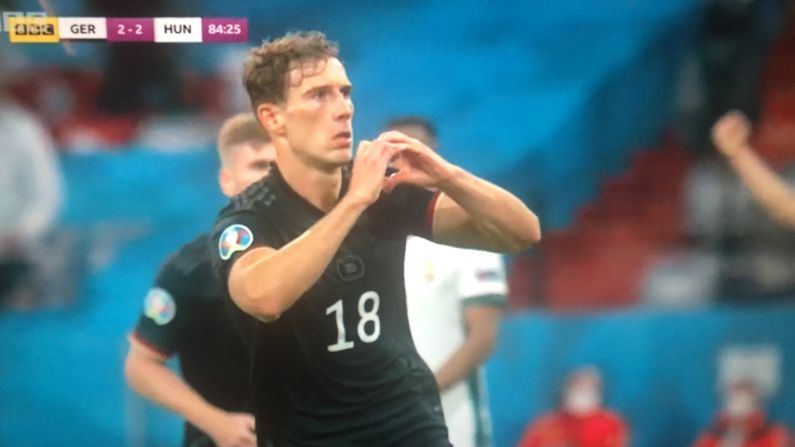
(482, 279)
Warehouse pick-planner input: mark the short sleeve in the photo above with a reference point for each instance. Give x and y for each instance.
(482, 279)
(407, 210)
(163, 323)
(236, 234)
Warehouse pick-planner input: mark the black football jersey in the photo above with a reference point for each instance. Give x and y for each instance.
(185, 314)
(338, 368)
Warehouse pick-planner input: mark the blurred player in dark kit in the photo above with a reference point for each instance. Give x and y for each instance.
(185, 314)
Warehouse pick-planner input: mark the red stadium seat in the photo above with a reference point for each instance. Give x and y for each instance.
(97, 132)
(601, 260)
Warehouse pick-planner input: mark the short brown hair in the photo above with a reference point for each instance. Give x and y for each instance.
(266, 69)
(239, 129)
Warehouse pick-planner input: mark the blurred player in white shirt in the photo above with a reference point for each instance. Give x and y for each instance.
(455, 299)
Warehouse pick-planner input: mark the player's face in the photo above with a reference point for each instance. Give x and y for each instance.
(318, 114)
(249, 163)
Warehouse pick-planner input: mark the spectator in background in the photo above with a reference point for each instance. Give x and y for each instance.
(742, 422)
(581, 421)
(455, 299)
(30, 198)
(731, 135)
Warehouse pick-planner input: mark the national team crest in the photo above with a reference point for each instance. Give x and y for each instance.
(350, 268)
(234, 238)
(160, 306)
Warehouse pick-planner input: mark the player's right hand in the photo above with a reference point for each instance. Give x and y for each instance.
(369, 170)
(234, 430)
(731, 133)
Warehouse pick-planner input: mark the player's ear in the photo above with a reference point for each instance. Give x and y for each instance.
(226, 182)
(271, 117)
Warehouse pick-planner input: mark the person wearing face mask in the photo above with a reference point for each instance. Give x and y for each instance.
(742, 422)
(581, 420)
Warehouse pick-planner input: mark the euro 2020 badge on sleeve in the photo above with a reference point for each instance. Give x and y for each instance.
(233, 239)
(160, 306)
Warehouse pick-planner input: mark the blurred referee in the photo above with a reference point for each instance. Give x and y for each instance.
(184, 314)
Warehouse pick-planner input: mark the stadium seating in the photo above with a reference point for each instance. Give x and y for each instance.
(634, 233)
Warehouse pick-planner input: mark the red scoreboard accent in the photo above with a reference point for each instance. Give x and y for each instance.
(131, 30)
(224, 30)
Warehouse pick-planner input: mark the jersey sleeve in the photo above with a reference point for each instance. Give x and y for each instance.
(482, 279)
(236, 234)
(408, 210)
(163, 323)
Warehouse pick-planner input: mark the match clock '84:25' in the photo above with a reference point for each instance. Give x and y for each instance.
(229, 29)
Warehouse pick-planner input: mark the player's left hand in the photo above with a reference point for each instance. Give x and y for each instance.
(234, 430)
(417, 164)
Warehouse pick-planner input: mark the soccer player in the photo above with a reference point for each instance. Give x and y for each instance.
(731, 135)
(315, 252)
(185, 315)
(455, 299)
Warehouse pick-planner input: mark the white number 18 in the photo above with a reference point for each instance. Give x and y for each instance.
(365, 316)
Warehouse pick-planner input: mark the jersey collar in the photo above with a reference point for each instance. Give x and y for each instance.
(279, 180)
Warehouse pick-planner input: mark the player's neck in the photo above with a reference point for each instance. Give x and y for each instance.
(319, 187)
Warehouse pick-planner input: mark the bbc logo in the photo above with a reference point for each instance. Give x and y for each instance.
(6, 15)
(34, 29)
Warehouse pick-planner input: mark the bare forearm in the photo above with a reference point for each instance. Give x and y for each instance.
(464, 361)
(157, 383)
(769, 190)
(265, 286)
(499, 220)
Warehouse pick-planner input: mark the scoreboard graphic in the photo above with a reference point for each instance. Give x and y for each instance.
(158, 29)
